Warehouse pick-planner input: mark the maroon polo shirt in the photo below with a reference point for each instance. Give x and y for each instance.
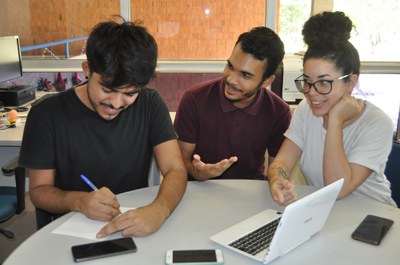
(220, 130)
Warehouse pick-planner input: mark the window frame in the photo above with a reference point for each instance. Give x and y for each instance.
(195, 66)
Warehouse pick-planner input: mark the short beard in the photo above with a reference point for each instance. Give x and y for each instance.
(94, 106)
(246, 95)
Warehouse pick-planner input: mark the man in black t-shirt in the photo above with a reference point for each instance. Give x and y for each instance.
(106, 129)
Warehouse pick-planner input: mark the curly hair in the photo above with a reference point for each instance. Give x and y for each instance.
(327, 36)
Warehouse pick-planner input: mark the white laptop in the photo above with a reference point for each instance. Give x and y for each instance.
(299, 221)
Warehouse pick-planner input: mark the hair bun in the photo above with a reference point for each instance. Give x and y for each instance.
(326, 29)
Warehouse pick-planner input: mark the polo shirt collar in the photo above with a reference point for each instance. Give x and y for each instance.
(252, 109)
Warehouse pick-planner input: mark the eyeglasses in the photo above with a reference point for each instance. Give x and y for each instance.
(322, 87)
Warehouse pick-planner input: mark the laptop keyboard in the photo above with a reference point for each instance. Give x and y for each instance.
(258, 240)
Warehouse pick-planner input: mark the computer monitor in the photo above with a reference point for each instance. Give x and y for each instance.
(10, 59)
(383, 90)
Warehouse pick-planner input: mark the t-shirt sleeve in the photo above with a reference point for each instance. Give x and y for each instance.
(37, 148)
(373, 144)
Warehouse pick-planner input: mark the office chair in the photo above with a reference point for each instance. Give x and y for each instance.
(392, 171)
(15, 197)
(12, 199)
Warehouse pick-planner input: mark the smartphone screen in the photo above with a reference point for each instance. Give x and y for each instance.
(203, 255)
(103, 249)
(194, 257)
(372, 229)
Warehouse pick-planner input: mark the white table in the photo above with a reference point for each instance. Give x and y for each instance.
(207, 208)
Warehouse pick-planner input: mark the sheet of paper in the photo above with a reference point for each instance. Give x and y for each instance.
(81, 226)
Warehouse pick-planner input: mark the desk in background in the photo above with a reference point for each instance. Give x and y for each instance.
(209, 207)
(11, 138)
(10, 143)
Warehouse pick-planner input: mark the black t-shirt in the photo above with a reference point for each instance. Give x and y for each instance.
(62, 133)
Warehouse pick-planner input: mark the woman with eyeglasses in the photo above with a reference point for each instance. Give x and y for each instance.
(332, 133)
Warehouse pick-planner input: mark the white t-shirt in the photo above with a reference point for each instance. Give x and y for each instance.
(367, 142)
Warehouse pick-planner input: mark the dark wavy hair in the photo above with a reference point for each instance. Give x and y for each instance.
(263, 43)
(123, 54)
(327, 35)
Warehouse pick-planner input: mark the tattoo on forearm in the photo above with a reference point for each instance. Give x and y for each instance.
(281, 172)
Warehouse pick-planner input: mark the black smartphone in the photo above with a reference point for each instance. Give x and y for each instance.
(372, 229)
(103, 249)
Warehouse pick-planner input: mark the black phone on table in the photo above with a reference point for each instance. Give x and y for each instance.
(372, 229)
(103, 249)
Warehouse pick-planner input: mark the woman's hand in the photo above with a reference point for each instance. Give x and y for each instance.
(347, 109)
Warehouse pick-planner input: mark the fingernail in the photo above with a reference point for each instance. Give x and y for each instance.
(99, 235)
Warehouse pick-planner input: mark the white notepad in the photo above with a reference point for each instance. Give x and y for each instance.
(81, 226)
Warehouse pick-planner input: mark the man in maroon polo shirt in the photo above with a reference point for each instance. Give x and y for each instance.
(225, 125)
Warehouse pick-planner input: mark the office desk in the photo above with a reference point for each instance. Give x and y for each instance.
(12, 136)
(10, 141)
(207, 208)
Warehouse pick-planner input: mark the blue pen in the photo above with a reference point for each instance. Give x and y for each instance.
(88, 182)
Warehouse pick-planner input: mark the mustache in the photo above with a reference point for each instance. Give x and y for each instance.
(111, 106)
(231, 86)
